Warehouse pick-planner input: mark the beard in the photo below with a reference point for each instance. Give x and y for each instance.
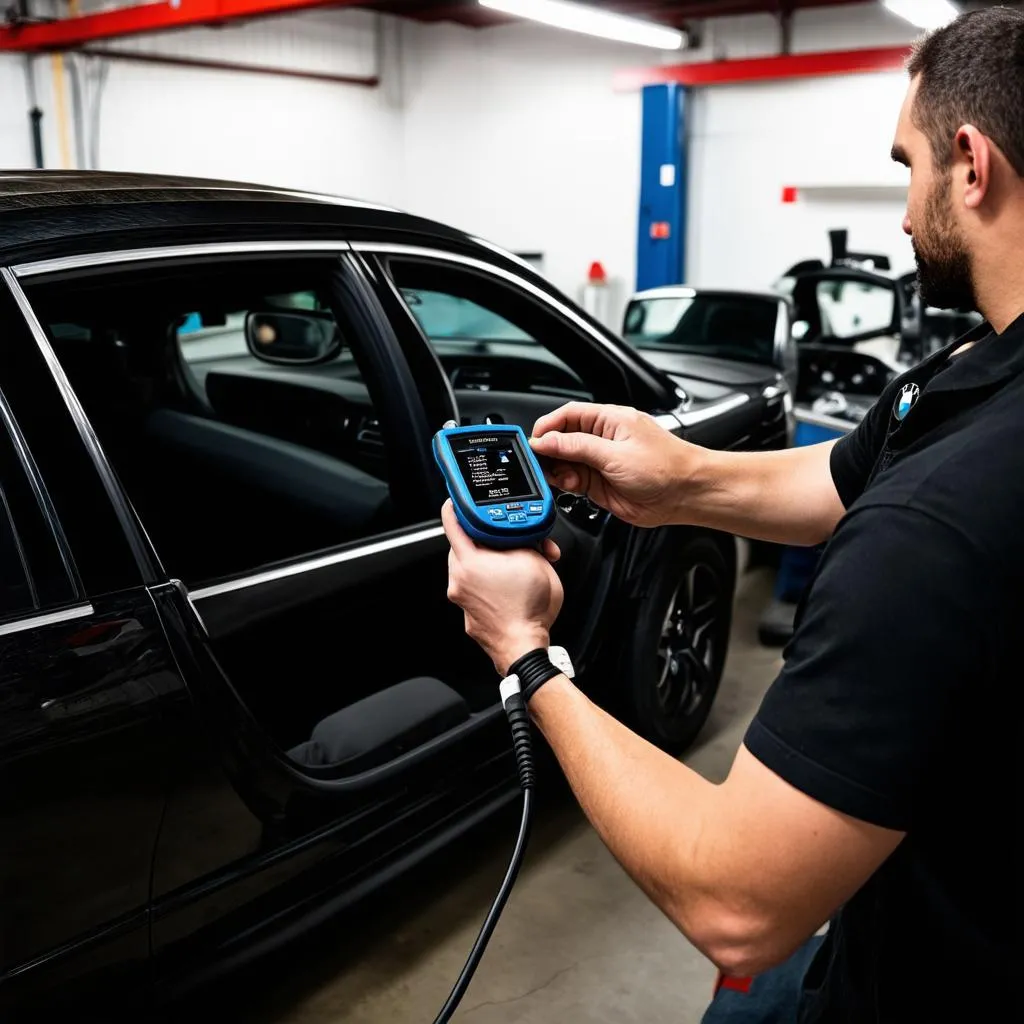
(945, 277)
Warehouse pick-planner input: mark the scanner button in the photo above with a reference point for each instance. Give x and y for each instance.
(496, 513)
(517, 517)
(513, 508)
(535, 510)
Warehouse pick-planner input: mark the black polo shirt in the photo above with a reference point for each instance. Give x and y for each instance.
(900, 699)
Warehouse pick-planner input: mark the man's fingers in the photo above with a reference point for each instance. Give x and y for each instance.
(461, 542)
(570, 417)
(551, 551)
(564, 476)
(573, 447)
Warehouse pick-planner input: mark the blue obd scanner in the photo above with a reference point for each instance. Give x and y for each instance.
(496, 484)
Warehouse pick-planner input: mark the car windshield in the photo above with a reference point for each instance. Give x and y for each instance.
(452, 318)
(740, 327)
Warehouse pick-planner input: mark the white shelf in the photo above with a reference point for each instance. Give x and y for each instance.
(859, 193)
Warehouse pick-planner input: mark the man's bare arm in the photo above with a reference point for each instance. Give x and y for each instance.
(787, 496)
(747, 870)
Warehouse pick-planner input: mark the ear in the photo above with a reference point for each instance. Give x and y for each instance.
(974, 159)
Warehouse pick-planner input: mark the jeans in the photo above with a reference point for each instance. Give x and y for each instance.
(773, 997)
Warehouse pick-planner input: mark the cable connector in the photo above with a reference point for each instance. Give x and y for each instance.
(519, 721)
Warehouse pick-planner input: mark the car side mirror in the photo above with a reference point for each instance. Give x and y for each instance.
(293, 338)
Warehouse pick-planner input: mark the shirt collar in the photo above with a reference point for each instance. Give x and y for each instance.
(992, 359)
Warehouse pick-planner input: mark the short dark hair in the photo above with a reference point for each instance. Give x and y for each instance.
(972, 72)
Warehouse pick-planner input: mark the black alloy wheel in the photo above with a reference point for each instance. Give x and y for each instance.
(678, 650)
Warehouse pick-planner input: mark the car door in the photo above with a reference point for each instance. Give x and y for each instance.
(293, 512)
(510, 350)
(83, 668)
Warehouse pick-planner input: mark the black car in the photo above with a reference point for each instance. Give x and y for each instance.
(233, 696)
(722, 337)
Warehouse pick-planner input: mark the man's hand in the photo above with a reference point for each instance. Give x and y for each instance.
(510, 598)
(620, 458)
(645, 475)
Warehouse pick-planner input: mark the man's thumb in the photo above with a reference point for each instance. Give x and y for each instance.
(573, 447)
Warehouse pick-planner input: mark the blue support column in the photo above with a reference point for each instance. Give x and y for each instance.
(661, 236)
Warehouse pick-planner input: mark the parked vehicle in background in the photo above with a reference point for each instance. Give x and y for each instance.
(232, 695)
(722, 337)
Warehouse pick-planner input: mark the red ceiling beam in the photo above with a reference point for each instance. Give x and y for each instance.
(763, 69)
(69, 33)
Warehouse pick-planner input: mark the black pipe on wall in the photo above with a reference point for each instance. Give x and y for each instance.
(35, 116)
(367, 81)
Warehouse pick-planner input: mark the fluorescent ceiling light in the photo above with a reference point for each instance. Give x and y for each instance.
(927, 14)
(591, 21)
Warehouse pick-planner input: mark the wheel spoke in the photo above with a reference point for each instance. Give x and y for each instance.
(666, 626)
(702, 631)
(691, 587)
(699, 669)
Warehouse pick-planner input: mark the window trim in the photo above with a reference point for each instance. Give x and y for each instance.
(167, 252)
(39, 620)
(416, 533)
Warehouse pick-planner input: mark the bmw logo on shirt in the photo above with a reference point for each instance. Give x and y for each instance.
(907, 397)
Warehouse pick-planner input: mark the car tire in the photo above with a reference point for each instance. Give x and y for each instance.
(677, 654)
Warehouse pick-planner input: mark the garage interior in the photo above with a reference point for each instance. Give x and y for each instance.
(758, 144)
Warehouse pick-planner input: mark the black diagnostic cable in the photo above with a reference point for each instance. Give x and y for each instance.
(522, 744)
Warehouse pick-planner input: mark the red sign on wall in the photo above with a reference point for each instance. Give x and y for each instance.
(661, 229)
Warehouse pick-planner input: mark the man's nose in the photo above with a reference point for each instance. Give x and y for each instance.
(906, 224)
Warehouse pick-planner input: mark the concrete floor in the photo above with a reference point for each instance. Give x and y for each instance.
(577, 942)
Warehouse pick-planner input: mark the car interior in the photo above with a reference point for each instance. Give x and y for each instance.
(233, 464)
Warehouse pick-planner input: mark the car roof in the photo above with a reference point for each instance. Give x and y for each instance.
(683, 291)
(46, 214)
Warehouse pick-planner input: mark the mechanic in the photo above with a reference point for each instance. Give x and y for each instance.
(876, 786)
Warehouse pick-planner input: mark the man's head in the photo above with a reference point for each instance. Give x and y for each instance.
(961, 133)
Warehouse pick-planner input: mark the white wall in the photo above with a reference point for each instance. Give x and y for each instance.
(516, 134)
(344, 139)
(748, 141)
(294, 132)
(15, 140)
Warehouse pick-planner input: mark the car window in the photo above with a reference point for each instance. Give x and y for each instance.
(451, 317)
(732, 326)
(850, 308)
(489, 335)
(231, 462)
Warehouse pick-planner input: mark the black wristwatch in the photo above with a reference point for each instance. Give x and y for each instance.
(536, 667)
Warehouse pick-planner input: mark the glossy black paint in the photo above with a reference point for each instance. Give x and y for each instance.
(154, 831)
(82, 795)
